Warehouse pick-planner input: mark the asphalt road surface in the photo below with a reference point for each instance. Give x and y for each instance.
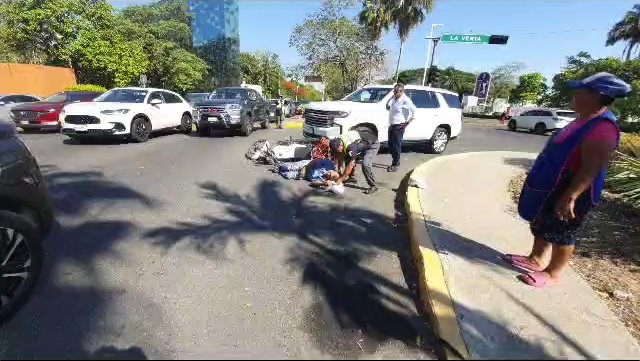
(179, 248)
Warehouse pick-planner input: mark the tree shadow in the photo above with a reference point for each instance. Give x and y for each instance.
(73, 193)
(522, 163)
(336, 245)
(69, 305)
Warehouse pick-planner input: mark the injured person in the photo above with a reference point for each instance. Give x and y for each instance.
(316, 171)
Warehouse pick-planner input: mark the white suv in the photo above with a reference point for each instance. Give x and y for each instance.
(127, 112)
(541, 120)
(438, 117)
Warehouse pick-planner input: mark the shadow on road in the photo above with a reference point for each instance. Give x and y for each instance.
(335, 251)
(523, 163)
(69, 306)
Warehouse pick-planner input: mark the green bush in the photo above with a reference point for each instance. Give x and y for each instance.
(85, 88)
(624, 178)
(630, 145)
(630, 127)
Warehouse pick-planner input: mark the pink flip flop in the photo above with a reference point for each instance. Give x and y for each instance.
(536, 279)
(521, 262)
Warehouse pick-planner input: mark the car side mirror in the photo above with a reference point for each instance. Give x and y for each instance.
(155, 102)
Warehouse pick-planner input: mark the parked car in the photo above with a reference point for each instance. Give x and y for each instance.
(232, 108)
(45, 114)
(26, 219)
(437, 120)
(300, 106)
(9, 101)
(542, 120)
(128, 113)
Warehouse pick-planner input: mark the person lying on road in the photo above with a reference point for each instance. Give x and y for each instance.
(315, 171)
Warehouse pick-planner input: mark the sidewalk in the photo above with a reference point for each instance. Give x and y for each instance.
(480, 309)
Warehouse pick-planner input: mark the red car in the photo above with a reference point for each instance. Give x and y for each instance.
(43, 115)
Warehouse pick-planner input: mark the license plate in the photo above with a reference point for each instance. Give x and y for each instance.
(308, 129)
(273, 114)
(81, 127)
(213, 119)
(25, 122)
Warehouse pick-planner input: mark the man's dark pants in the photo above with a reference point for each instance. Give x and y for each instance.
(367, 163)
(396, 135)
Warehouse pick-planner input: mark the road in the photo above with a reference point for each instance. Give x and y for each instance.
(179, 248)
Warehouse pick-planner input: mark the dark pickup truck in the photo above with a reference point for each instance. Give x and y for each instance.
(236, 109)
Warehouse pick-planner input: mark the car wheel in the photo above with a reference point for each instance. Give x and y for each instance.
(247, 126)
(186, 124)
(540, 129)
(439, 141)
(20, 262)
(512, 125)
(140, 130)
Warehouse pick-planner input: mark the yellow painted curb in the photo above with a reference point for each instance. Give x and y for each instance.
(434, 293)
(293, 125)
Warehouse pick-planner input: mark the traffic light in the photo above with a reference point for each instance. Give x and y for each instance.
(498, 39)
(434, 76)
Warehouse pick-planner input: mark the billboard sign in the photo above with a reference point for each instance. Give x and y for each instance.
(483, 83)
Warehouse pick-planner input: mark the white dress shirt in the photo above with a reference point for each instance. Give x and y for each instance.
(402, 109)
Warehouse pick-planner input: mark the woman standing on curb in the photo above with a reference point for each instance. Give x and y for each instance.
(567, 179)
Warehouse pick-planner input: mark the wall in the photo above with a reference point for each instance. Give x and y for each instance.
(34, 79)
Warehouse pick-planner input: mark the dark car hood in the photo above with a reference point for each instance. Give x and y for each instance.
(208, 102)
(38, 106)
(6, 129)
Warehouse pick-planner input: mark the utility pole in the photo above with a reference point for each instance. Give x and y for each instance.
(426, 60)
(435, 41)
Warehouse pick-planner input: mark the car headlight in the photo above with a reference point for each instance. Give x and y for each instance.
(233, 107)
(342, 114)
(115, 111)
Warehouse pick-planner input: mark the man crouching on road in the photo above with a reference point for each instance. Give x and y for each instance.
(351, 147)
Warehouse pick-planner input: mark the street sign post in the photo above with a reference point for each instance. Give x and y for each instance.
(465, 38)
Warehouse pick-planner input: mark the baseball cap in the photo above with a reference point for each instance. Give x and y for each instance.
(603, 83)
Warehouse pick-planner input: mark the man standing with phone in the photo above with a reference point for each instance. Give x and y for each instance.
(401, 114)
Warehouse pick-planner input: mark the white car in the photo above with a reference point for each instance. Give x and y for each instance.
(127, 112)
(542, 120)
(437, 120)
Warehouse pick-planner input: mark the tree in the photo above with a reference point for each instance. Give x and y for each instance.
(331, 44)
(264, 69)
(176, 68)
(531, 87)
(627, 30)
(503, 80)
(405, 15)
(582, 66)
(106, 58)
(43, 31)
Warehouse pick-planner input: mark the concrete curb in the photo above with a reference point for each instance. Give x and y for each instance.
(435, 298)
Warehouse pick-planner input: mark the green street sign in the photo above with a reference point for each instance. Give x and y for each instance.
(465, 38)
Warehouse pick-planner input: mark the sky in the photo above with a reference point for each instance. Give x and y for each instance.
(542, 32)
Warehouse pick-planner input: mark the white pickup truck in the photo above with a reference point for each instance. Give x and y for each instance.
(438, 117)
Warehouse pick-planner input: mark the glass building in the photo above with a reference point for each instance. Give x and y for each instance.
(215, 26)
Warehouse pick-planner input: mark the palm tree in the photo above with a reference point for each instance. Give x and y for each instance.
(406, 15)
(627, 30)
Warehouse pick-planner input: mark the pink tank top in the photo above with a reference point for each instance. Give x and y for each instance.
(602, 132)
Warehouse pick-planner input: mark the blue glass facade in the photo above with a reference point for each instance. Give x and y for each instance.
(216, 37)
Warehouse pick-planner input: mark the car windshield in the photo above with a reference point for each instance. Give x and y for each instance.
(123, 96)
(226, 94)
(57, 98)
(567, 114)
(368, 95)
(195, 97)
